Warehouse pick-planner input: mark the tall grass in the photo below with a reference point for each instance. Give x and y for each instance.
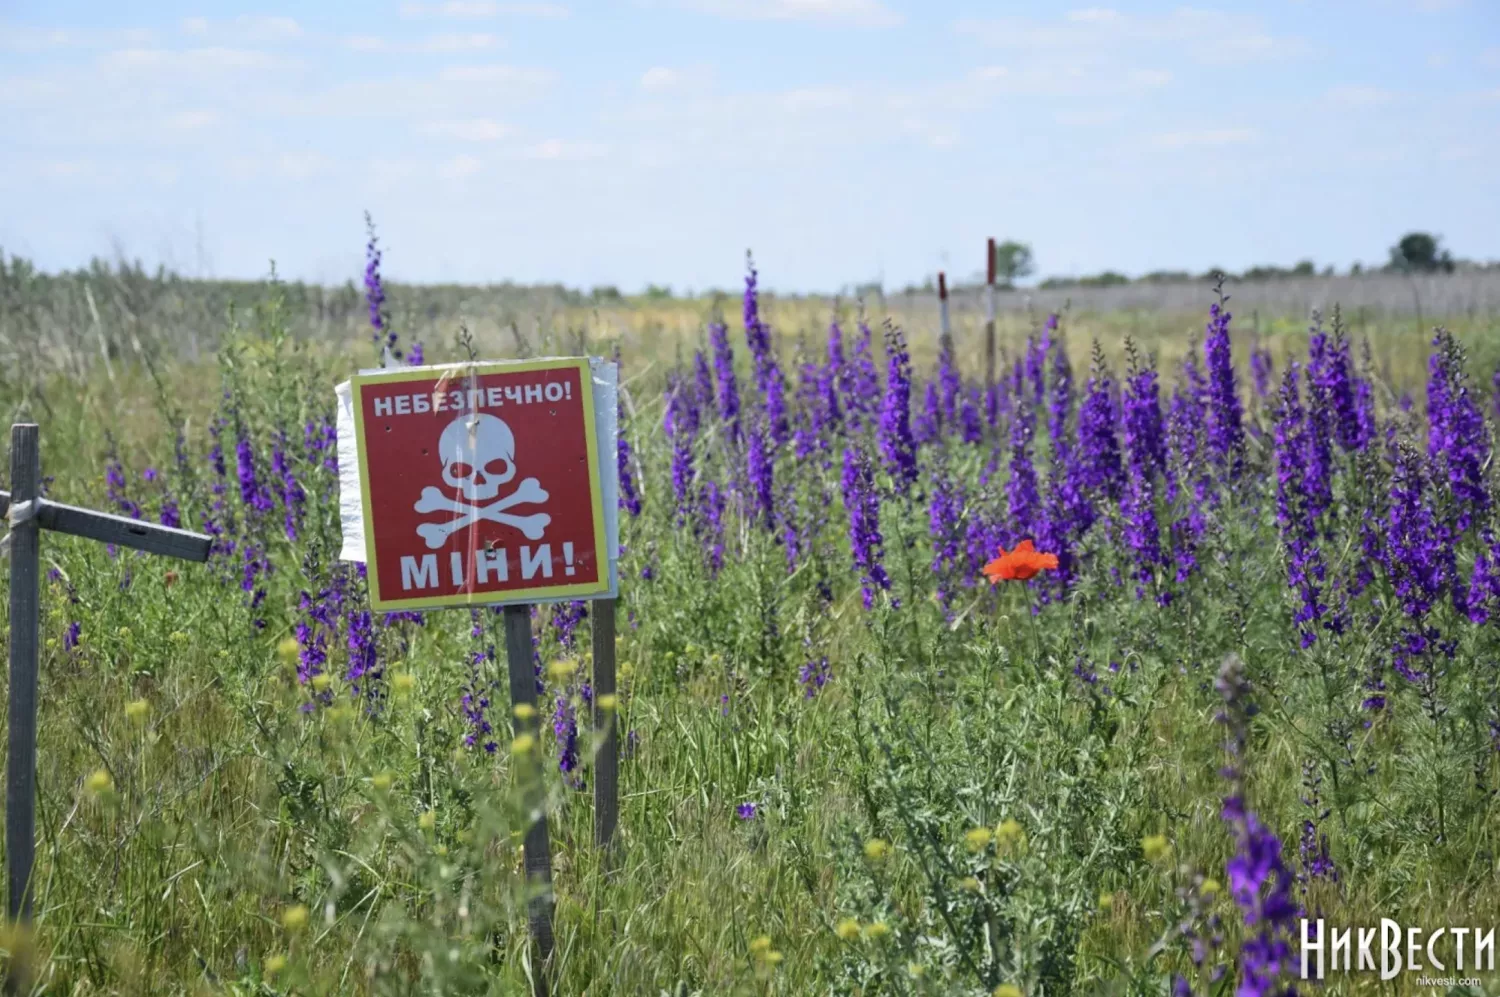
(993, 786)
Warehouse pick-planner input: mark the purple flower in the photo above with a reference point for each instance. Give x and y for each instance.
(1021, 492)
(1225, 431)
(760, 469)
(1296, 512)
(897, 447)
(566, 616)
(746, 811)
(1258, 880)
(1098, 437)
(863, 505)
(364, 669)
(729, 395)
(864, 379)
(1457, 438)
(630, 498)
(415, 356)
(383, 338)
(565, 728)
(813, 675)
(1142, 421)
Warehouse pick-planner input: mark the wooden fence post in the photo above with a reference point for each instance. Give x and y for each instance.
(945, 336)
(607, 758)
(28, 514)
(989, 314)
(25, 622)
(537, 851)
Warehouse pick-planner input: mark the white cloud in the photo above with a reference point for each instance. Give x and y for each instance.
(660, 78)
(1101, 34)
(1359, 96)
(863, 13)
(213, 59)
(247, 28)
(478, 9)
(474, 130)
(24, 38)
(560, 149)
(191, 120)
(459, 166)
(518, 76)
(1207, 137)
(453, 42)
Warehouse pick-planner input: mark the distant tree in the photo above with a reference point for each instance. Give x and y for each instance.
(657, 292)
(1356, 269)
(1013, 260)
(1419, 252)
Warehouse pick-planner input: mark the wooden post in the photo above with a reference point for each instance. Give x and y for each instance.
(537, 850)
(945, 338)
(25, 622)
(989, 314)
(607, 759)
(28, 514)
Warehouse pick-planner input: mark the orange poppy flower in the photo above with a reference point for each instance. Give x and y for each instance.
(1020, 564)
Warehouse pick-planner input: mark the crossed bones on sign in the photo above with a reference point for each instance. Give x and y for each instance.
(433, 500)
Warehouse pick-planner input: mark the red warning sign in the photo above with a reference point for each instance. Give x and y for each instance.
(480, 484)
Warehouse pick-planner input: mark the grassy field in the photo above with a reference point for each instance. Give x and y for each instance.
(853, 765)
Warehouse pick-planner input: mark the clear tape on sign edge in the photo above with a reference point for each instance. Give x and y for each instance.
(605, 375)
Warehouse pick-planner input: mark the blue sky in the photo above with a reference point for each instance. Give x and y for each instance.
(626, 141)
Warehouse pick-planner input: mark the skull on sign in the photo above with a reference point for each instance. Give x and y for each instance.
(479, 455)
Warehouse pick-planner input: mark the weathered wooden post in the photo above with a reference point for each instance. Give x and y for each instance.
(607, 758)
(27, 514)
(25, 623)
(536, 847)
(484, 484)
(989, 314)
(945, 334)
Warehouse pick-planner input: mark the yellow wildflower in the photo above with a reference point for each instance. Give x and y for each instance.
(428, 820)
(99, 782)
(137, 709)
(1106, 900)
(524, 711)
(125, 632)
(522, 744)
(288, 649)
(1155, 846)
(275, 964)
(876, 930)
(847, 929)
(915, 970)
(562, 669)
(1010, 832)
(404, 682)
(970, 884)
(1007, 990)
(1209, 887)
(760, 945)
(294, 918)
(608, 702)
(322, 681)
(382, 781)
(876, 850)
(978, 839)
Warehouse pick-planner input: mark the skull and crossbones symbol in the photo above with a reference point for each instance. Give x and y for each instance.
(479, 456)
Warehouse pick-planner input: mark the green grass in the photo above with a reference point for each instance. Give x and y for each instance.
(230, 806)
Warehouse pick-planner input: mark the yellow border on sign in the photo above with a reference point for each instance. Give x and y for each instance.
(510, 596)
